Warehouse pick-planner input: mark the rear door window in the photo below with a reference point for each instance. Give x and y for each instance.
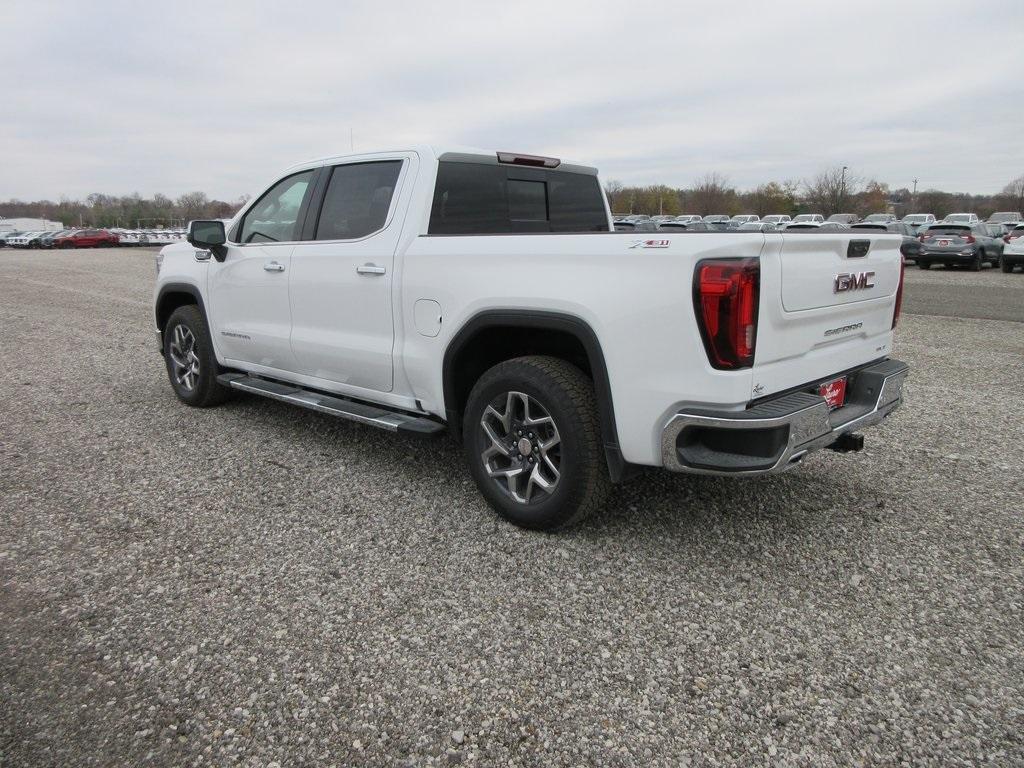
(357, 200)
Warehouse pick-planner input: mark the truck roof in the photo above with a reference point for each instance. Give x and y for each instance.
(439, 152)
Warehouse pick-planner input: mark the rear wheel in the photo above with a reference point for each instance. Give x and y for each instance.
(923, 264)
(976, 262)
(533, 442)
(1005, 265)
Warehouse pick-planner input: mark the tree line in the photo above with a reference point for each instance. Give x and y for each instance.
(835, 190)
(128, 211)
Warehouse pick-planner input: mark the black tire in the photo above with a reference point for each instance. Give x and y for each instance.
(975, 265)
(567, 395)
(205, 391)
(1005, 265)
(924, 264)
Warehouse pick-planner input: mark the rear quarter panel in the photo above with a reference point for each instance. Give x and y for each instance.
(637, 300)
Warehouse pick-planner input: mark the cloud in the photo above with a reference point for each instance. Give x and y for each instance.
(122, 97)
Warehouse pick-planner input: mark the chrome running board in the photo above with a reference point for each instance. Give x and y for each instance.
(340, 407)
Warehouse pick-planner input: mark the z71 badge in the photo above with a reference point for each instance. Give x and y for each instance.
(650, 244)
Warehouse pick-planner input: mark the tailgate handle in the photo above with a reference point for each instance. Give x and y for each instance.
(857, 249)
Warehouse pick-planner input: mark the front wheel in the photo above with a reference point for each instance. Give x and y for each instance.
(533, 442)
(191, 362)
(1005, 265)
(924, 264)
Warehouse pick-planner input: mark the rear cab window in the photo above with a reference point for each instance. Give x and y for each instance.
(480, 198)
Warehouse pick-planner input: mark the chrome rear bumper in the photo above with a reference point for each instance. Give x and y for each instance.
(775, 434)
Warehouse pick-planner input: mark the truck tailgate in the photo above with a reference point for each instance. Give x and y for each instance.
(811, 266)
(826, 307)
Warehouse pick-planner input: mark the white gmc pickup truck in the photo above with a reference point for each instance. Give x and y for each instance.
(487, 293)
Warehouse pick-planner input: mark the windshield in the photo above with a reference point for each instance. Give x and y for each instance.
(877, 217)
(947, 229)
(806, 217)
(915, 218)
(965, 217)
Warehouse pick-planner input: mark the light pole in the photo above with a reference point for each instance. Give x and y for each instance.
(842, 187)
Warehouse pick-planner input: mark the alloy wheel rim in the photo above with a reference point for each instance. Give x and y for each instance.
(184, 359)
(523, 447)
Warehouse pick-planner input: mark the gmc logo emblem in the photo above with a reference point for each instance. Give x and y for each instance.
(853, 281)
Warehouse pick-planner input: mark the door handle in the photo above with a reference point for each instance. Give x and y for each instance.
(273, 266)
(370, 269)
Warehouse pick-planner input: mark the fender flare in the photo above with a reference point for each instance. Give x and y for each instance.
(541, 320)
(188, 288)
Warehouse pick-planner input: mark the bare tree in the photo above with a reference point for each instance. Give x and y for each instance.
(192, 204)
(712, 194)
(1013, 194)
(830, 191)
(614, 189)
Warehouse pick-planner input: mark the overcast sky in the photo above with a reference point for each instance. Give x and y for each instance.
(172, 97)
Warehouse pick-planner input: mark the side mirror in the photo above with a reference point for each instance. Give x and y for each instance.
(208, 235)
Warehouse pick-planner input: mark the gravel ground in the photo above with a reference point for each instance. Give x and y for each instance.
(956, 292)
(257, 585)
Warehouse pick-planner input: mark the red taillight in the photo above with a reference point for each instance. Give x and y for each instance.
(725, 299)
(968, 238)
(899, 297)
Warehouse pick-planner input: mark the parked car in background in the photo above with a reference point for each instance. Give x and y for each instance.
(5, 236)
(1005, 216)
(86, 238)
(805, 218)
(1013, 249)
(843, 218)
(674, 226)
(127, 236)
(917, 220)
(883, 218)
(47, 240)
(757, 226)
(716, 218)
(24, 239)
(815, 226)
(960, 218)
(968, 245)
(635, 225)
(778, 219)
(1000, 229)
(662, 217)
(911, 246)
(688, 218)
(744, 218)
